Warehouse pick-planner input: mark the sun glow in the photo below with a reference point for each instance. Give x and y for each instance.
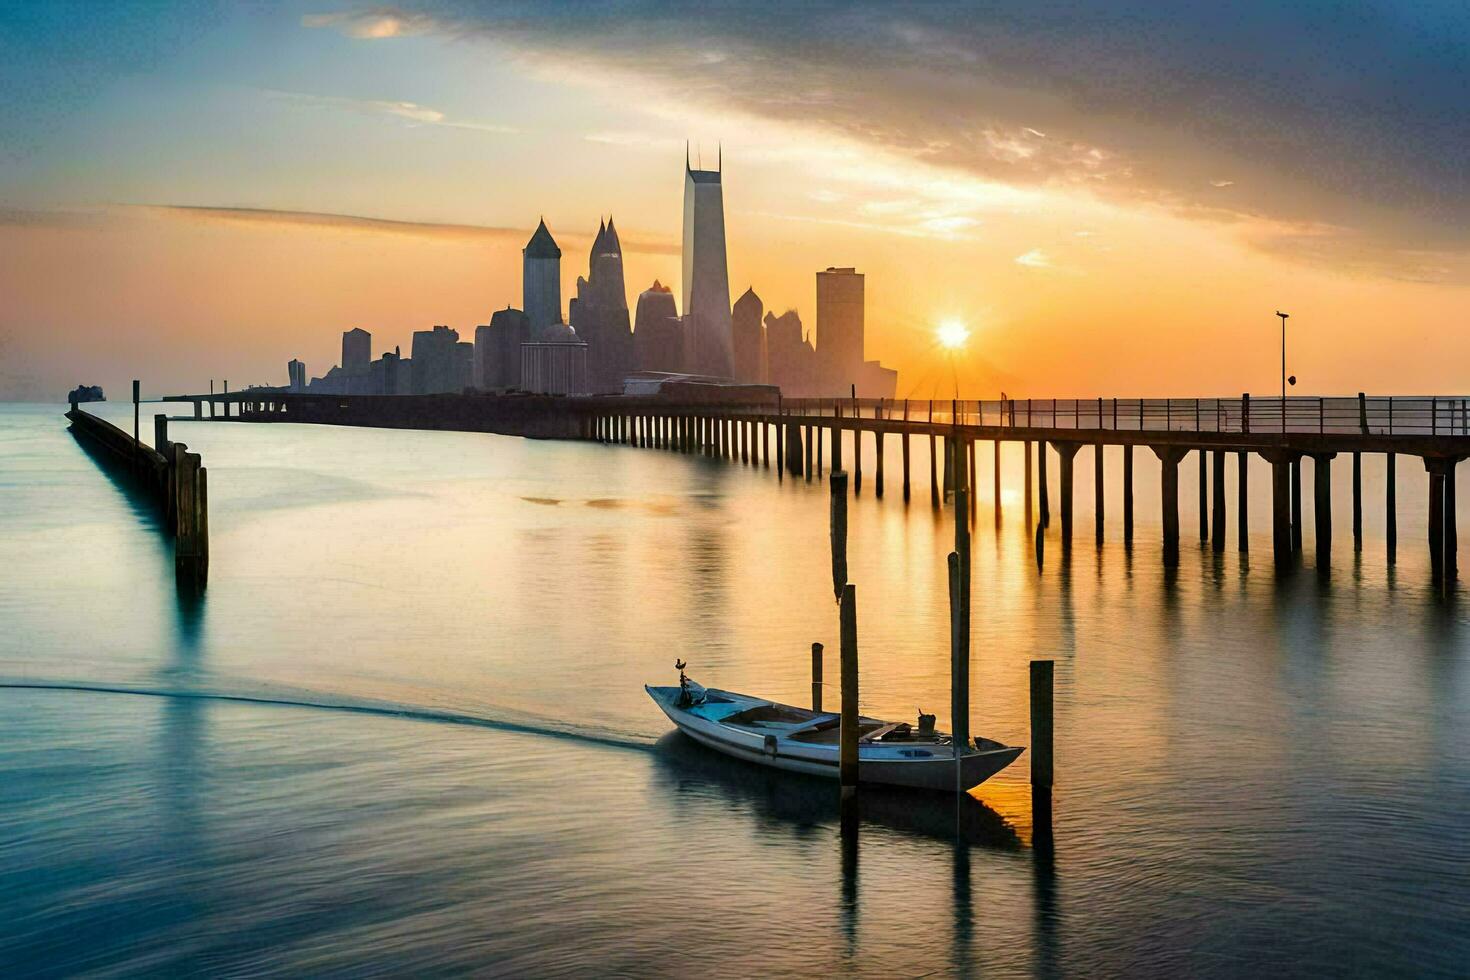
(952, 334)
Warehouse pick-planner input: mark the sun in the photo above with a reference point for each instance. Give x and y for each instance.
(952, 334)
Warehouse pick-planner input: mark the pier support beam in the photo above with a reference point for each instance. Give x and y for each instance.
(1204, 509)
(1041, 479)
(1322, 507)
(1217, 523)
(1099, 499)
(1443, 534)
(809, 448)
(1390, 517)
(1242, 502)
(1128, 496)
(1296, 504)
(878, 445)
(793, 449)
(1357, 502)
(821, 431)
(905, 461)
(1282, 464)
(996, 490)
(933, 473)
(1066, 455)
(1169, 457)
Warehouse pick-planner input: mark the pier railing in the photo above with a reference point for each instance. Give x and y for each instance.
(1361, 414)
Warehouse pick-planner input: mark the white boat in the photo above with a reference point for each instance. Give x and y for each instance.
(801, 740)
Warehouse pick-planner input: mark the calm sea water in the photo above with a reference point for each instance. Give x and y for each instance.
(405, 731)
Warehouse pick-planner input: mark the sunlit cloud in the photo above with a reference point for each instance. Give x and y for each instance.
(413, 112)
(373, 25)
(1034, 259)
(371, 225)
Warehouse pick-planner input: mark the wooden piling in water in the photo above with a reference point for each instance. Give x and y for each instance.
(1322, 507)
(1451, 533)
(816, 677)
(1242, 501)
(1390, 518)
(809, 447)
(838, 531)
(959, 593)
(1042, 766)
(878, 448)
(1026, 486)
(995, 488)
(933, 473)
(821, 431)
(1099, 497)
(857, 454)
(1169, 457)
(1041, 483)
(1217, 503)
(793, 449)
(970, 483)
(905, 453)
(1281, 548)
(1066, 455)
(1128, 496)
(1296, 504)
(848, 733)
(1358, 495)
(1204, 483)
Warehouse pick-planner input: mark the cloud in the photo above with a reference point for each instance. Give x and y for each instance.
(1034, 259)
(1354, 122)
(413, 112)
(374, 25)
(370, 225)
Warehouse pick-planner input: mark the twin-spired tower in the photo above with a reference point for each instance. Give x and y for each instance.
(708, 343)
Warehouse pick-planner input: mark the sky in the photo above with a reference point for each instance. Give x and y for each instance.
(1114, 199)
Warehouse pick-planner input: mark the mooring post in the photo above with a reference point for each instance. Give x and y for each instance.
(1169, 457)
(848, 733)
(160, 435)
(137, 386)
(820, 432)
(781, 449)
(816, 677)
(807, 435)
(1217, 526)
(838, 525)
(1358, 500)
(1128, 495)
(959, 595)
(1451, 534)
(1242, 502)
(1066, 454)
(995, 474)
(1041, 722)
(857, 450)
(1322, 507)
(1099, 506)
(836, 435)
(1390, 518)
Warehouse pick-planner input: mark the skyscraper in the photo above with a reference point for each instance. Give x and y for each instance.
(599, 314)
(840, 328)
(657, 339)
(357, 351)
(541, 279)
(708, 345)
(749, 338)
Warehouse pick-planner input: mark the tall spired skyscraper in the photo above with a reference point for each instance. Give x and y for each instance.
(541, 279)
(708, 344)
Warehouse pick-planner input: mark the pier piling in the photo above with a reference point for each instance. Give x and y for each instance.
(816, 677)
(1066, 455)
(1099, 497)
(839, 531)
(1217, 525)
(1041, 483)
(1204, 510)
(1026, 487)
(878, 441)
(848, 733)
(1128, 496)
(1390, 517)
(1358, 494)
(1169, 457)
(1041, 719)
(1296, 504)
(1242, 501)
(1322, 507)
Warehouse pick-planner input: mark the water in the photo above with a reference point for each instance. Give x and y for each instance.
(405, 731)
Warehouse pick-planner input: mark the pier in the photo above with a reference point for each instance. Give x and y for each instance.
(1282, 432)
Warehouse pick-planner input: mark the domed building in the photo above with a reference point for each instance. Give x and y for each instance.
(554, 362)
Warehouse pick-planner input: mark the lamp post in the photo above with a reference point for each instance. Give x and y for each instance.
(1283, 369)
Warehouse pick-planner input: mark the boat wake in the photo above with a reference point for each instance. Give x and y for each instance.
(510, 722)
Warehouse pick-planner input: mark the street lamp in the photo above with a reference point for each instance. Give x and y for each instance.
(1284, 378)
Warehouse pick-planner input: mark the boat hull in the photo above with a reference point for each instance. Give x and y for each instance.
(877, 764)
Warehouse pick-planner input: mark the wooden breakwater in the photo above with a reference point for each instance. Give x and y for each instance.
(172, 476)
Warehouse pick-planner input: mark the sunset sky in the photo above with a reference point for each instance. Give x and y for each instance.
(1115, 201)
